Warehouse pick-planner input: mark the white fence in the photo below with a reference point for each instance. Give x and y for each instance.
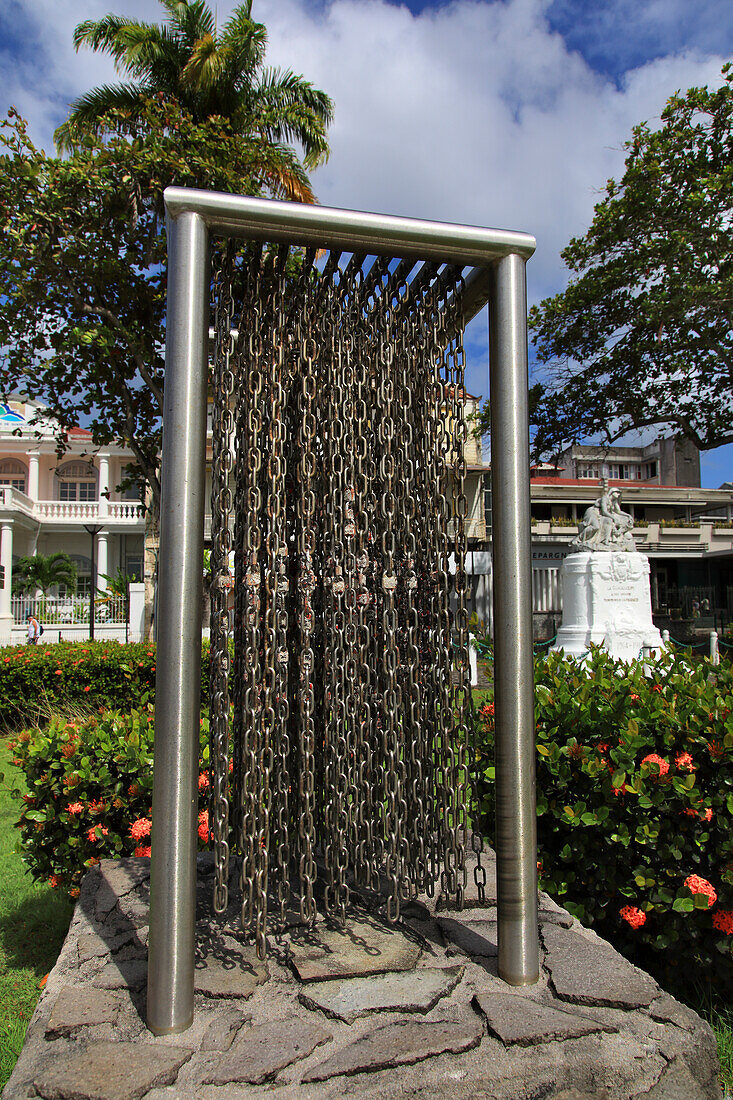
(70, 611)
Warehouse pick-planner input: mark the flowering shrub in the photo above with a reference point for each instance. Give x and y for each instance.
(635, 802)
(90, 789)
(38, 681)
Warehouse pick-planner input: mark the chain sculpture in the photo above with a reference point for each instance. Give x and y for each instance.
(339, 731)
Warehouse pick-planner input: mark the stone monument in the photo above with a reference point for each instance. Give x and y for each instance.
(605, 583)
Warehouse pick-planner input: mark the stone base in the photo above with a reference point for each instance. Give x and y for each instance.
(371, 1011)
(607, 602)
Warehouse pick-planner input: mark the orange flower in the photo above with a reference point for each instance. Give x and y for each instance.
(74, 808)
(203, 781)
(54, 881)
(141, 851)
(74, 892)
(723, 921)
(697, 885)
(140, 828)
(633, 916)
(203, 829)
(684, 760)
(653, 758)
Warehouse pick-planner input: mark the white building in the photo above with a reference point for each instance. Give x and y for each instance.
(47, 502)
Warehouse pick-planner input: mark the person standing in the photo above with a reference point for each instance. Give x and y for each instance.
(34, 629)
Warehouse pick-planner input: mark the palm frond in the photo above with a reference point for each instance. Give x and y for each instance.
(88, 112)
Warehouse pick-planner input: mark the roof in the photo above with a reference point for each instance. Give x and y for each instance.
(79, 433)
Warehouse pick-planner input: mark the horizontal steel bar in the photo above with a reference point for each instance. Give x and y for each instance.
(326, 227)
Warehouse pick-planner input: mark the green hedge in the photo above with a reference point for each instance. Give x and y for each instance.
(90, 788)
(635, 803)
(37, 682)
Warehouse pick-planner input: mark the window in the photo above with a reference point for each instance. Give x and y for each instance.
(651, 469)
(586, 471)
(77, 481)
(77, 490)
(13, 474)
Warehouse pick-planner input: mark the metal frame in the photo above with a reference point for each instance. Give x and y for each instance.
(498, 258)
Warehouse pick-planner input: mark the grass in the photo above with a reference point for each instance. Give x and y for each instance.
(33, 922)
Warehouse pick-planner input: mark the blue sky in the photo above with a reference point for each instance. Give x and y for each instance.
(489, 112)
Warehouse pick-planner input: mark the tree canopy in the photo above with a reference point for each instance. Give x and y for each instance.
(83, 265)
(209, 74)
(642, 334)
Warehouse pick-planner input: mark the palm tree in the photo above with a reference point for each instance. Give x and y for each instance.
(209, 74)
(44, 572)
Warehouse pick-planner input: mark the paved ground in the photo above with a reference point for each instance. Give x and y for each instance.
(370, 1010)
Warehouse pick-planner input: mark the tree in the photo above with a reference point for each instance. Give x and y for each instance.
(209, 75)
(642, 334)
(82, 264)
(32, 573)
(544, 435)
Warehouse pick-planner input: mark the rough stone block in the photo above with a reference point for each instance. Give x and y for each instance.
(228, 968)
(362, 947)
(407, 991)
(262, 1051)
(77, 1008)
(399, 1044)
(126, 974)
(478, 938)
(223, 1029)
(515, 1019)
(111, 1071)
(586, 970)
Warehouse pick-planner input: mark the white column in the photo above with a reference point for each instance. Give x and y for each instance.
(6, 560)
(33, 475)
(103, 486)
(102, 558)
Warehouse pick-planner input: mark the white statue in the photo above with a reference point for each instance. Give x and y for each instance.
(605, 526)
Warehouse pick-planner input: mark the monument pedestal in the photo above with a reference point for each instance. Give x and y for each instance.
(607, 601)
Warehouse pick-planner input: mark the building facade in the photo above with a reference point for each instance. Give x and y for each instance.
(48, 503)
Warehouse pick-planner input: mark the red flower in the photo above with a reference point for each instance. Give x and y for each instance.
(92, 833)
(87, 688)
(141, 851)
(657, 688)
(140, 828)
(488, 710)
(58, 672)
(684, 760)
(133, 789)
(634, 698)
(697, 885)
(74, 892)
(652, 758)
(723, 921)
(716, 750)
(203, 829)
(203, 781)
(54, 881)
(602, 746)
(97, 806)
(633, 916)
(74, 808)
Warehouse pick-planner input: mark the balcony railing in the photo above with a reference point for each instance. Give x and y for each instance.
(63, 511)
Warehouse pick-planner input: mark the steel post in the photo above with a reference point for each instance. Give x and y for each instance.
(516, 824)
(180, 580)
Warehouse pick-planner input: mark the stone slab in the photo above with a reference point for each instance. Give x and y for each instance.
(78, 1008)
(125, 974)
(362, 947)
(228, 969)
(477, 938)
(261, 1052)
(93, 946)
(406, 991)
(111, 1071)
(399, 1044)
(588, 971)
(223, 1029)
(515, 1019)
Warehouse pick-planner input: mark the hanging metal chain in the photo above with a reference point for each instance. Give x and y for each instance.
(345, 399)
(220, 578)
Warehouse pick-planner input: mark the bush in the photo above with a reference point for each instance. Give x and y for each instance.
(39, 681)
(90, 789)
(635, 803)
